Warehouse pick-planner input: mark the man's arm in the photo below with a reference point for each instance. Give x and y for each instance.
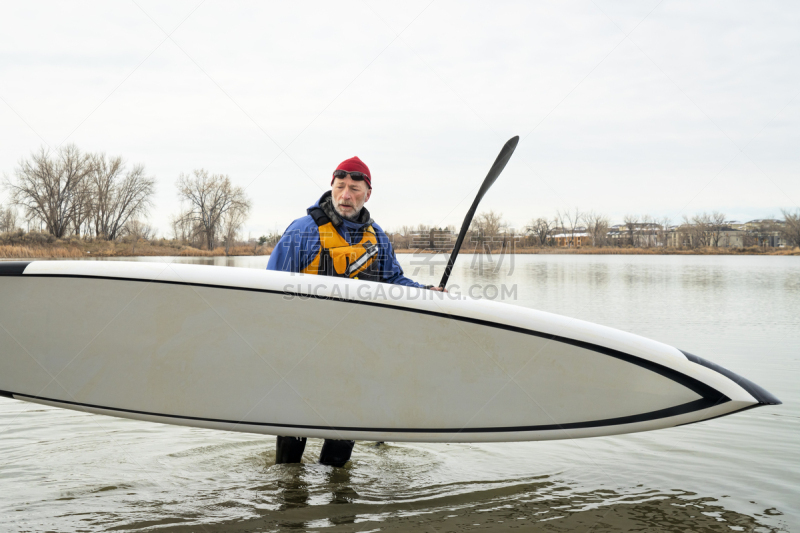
(390, 269)
(297, 247)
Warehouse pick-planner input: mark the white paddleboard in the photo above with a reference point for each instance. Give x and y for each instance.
(310, 356)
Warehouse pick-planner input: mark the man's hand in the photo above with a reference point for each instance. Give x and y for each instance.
(438, 289)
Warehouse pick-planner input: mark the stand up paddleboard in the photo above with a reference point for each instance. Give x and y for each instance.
(287, 354)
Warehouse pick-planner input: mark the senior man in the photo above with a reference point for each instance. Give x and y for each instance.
(337, 238)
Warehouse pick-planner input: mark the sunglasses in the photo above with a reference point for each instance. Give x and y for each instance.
(341, 174)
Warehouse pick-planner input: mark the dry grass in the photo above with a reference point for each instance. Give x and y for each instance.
(112, 249)
(31, 252)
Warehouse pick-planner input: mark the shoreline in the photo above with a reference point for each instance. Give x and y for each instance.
(110, 249)
(106, 249)
(754, 250)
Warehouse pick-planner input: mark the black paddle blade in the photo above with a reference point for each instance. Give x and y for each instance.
(494, 172)
(491, 177)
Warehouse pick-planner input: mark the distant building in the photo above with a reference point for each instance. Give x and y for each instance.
(732, 235)
(678, 237)
(441, 239)
(570, 238)
(766, 232)
(732, 238)
(640, 234)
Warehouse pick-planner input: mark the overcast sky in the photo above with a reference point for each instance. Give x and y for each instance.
(662, 108)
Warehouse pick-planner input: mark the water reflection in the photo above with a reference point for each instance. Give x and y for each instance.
(292, 488)
(396, 488)
(491, 267)
(599, 275)
(527, 505)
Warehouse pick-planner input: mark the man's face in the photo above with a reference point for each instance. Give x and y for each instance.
(349, 196)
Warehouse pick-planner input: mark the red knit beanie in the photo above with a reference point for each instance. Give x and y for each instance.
(354, 164)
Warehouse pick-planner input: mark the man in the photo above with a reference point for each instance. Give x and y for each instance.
(337, 238)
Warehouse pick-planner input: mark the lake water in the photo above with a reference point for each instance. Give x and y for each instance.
(63, 470)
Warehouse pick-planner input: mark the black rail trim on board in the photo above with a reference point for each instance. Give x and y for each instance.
(726, 414)
(13, 268)
(761, 395)
(705, 391)
(690, 407)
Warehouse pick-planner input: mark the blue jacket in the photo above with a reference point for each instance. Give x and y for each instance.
(300, 244)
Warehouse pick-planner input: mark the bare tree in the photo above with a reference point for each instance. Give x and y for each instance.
(647, 231)
(8, 219)
(684, 233)
(135, 231)
(139, 229)
(688, 232)
(716, 223)
(399, 237)
(487, 227)
(663, 230)
(233, 221)
(185, 230)
(118, 195)
(406, 241)
(50, 187)
(569, 220)
(492, 223)
(82, 208)
(765, 232)
(632, 226)
(698, 230)
(180, 228)
(702, 229)
(540, 228)
(597, 227)
(791, 227)
(210, 197)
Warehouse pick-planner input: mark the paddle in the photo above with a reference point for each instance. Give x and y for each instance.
(491, 177)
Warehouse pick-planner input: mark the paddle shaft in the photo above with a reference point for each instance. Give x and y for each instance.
(491, 177)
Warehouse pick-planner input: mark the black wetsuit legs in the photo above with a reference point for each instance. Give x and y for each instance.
(334, 452)
(289, 450)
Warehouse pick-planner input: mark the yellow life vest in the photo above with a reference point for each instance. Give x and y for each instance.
(337, 257)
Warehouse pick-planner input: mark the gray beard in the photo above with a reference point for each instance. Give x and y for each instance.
(351, 218)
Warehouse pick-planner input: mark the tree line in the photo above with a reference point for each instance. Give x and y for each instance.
(644, 231)
(575, 227)
(74, 193)
(71, 193)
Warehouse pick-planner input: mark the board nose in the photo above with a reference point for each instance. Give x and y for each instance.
(761, 395)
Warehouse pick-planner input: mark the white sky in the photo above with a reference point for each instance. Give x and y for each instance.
(665, 108)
